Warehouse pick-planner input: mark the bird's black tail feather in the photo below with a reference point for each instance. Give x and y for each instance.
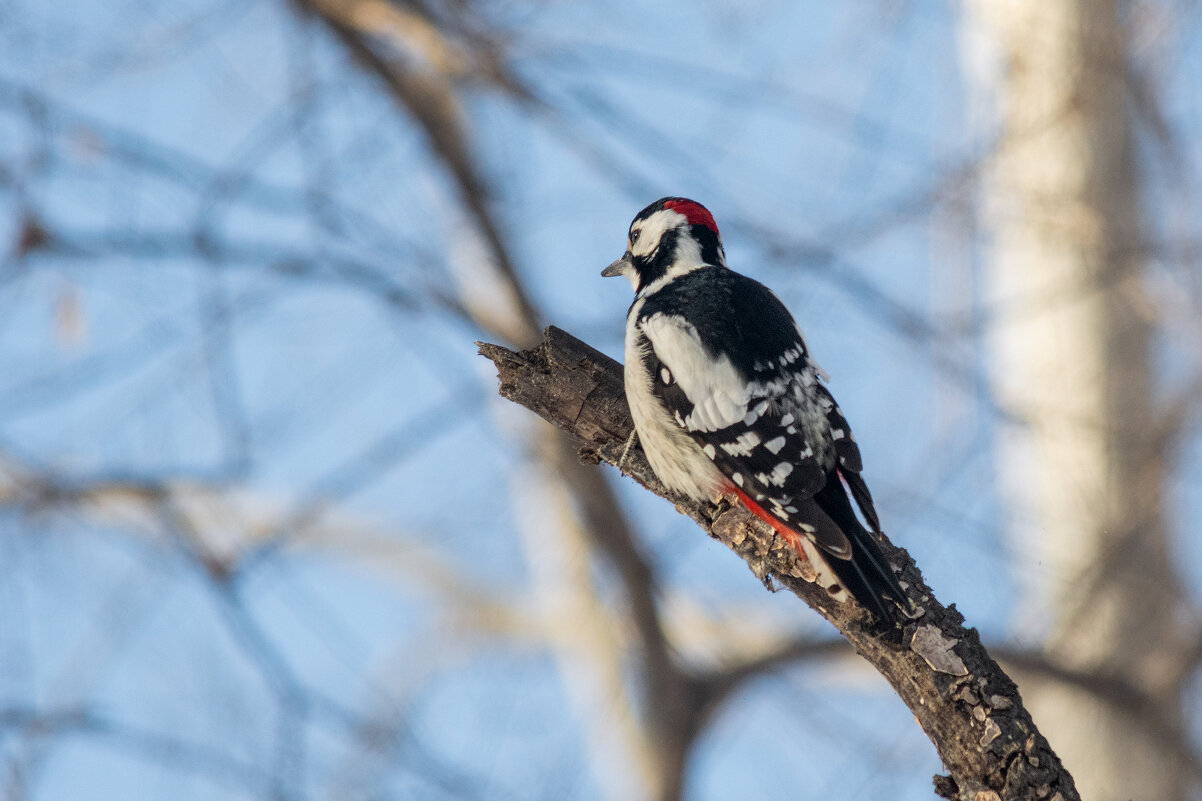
(866, 574)
(869, 578)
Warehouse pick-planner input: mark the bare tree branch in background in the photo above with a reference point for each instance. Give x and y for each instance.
(428, 92)
(235, 558)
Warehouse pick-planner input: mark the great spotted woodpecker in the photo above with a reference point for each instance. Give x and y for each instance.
(727, 401)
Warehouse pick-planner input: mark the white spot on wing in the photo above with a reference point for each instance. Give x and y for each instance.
(710, 451)
(743, 445)
(780, 473)
(775, 445)
(754, 413)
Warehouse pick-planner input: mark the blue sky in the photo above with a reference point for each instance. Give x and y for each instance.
(299, 372)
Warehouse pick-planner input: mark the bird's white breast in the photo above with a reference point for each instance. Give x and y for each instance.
(674, 456)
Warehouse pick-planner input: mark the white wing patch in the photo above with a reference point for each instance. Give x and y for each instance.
(718, 393)
(754, 414)
(744, 445)
(780, 473)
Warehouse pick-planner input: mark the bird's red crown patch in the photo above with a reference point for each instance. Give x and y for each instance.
(694, 212)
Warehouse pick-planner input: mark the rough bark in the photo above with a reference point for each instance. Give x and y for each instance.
(965, 703)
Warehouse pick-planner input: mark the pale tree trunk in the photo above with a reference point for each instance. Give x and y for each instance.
(1082, 471)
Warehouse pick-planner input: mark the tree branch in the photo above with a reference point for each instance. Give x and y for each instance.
(965, 703)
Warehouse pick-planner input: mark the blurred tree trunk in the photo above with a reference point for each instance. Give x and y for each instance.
(1083, 468)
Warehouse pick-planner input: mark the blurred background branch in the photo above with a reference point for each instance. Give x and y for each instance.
(246, 447)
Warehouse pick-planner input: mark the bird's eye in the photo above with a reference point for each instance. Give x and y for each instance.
(634, 236)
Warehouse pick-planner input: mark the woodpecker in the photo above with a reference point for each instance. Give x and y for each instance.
(727, 400)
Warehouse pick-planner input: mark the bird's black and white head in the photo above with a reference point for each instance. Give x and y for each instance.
(670, 237)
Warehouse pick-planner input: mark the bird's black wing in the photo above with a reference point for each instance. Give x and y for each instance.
(761, 419)
(766, 421)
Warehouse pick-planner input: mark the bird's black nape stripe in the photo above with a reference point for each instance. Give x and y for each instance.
(711, 246)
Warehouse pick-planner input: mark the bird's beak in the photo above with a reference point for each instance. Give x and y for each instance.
(619, 267)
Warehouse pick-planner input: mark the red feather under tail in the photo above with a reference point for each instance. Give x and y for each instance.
(791, 536)
(806, 552)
